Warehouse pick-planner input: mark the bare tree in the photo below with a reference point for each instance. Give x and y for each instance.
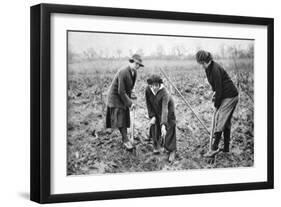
(160, 51)
(71, 55)
(179, 50)
(250, 51)
(222, 51)
(119, 52)
(90, 53)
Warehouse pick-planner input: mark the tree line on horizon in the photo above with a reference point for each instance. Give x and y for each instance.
(178, 52)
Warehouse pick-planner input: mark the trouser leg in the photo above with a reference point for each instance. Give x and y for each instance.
(226, 132)
(226, 136)
(123, 131)
(217, 138)
(156, 138)
(170, 139)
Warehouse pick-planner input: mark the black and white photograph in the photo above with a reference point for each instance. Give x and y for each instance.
(155, 102)
(131, 103)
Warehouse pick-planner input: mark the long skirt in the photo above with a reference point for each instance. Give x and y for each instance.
(224, 114)
(117, 118)
(170, 143)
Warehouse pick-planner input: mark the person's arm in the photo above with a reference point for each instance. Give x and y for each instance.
(121, 90)
(217, 76)
(164, 113)
(150, 110)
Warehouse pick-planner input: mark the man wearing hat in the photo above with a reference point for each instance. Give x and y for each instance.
(120, 98)
(161, 112)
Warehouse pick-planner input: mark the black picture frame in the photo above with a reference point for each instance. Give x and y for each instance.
(41, 102)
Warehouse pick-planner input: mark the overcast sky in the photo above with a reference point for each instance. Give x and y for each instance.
(81, 41)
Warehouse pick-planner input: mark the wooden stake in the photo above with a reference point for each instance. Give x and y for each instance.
(132, 126)
(212, 131)
(206, 129)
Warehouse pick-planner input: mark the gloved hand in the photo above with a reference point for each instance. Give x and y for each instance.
(163, 135)
(133, 95)
(163, 131)
(133, 106)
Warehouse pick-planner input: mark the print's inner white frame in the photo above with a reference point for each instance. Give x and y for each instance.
(42, 100)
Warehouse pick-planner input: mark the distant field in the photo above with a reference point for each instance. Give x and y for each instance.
(113, 65)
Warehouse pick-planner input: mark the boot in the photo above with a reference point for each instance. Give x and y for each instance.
(127, 144)
(214, 148)
(157, 147)
(211, 153)
(215, 145)
(226, 136)
(156, 151)
(123, 132)
(172, 156)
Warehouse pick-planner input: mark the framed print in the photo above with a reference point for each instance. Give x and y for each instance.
(133, 103)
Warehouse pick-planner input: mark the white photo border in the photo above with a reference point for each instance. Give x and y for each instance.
(61, 183)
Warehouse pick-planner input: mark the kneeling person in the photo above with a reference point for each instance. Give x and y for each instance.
(161, 112)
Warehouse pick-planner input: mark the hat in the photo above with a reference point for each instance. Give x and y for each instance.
(154, 79)
(136, 58)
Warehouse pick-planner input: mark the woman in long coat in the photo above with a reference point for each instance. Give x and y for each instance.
(225, 100)
(120, 98)
(161, 111)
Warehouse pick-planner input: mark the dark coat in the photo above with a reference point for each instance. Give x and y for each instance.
(161, 106)
(119, 95)
(220, 82)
